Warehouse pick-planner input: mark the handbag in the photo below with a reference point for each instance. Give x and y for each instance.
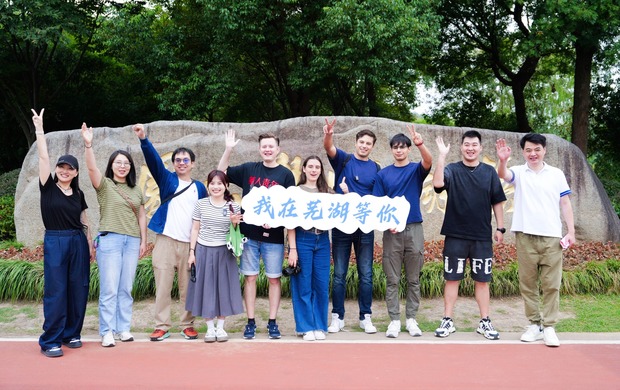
(235, 240)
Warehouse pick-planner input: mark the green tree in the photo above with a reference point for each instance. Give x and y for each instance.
(498, 38)
(589, 26)
(368, 53)
(43, 44)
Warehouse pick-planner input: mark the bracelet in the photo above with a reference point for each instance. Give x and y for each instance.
(88, 147)
(420, 144)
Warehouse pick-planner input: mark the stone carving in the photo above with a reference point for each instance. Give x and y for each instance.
(595, 218)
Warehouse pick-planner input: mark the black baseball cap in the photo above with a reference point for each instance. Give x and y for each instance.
(69, 160)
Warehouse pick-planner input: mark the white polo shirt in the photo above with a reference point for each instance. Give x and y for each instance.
(537, 200)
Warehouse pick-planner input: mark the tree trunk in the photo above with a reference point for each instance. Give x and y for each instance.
(371, 99)
(523, 123)
(584, 54)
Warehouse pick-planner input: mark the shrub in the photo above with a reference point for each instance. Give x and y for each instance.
(7, 222)
(8, 182)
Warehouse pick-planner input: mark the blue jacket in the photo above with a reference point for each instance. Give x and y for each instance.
(166, 181)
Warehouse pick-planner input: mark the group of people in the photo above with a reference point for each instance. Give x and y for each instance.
(192, 221)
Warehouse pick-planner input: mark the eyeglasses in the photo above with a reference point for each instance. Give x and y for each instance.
(122, 163)
(182, 160)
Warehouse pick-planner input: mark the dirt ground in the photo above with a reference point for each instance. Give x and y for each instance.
(26, 318)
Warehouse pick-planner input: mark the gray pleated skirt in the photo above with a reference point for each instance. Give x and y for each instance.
(217, 291)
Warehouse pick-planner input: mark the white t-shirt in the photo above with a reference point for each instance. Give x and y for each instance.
(537, 200)
(179, 219)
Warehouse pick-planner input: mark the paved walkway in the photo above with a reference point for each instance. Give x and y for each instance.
(347, 360)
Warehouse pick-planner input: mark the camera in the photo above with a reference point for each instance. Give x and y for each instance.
(192, 273)
(291, 271)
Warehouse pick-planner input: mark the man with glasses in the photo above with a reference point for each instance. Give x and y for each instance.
(173, 223)
(404, 178)
(263, 241)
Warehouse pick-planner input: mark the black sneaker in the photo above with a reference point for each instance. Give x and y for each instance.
(250, 331)
(52, 352)
(274, 332)
(73, 343)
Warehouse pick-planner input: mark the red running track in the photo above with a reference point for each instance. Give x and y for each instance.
(275, 364)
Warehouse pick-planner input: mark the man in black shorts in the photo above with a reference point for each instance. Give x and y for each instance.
(473, 190)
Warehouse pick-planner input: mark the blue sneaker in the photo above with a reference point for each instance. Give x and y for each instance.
(250, 331)
(274, 332)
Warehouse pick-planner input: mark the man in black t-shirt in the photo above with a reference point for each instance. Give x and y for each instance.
(263, 242)
(473, 190)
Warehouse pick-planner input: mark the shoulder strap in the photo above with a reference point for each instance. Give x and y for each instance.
(121, 193)
(172, 196)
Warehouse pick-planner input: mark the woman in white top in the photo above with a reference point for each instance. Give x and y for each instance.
(310, 250)
(216, 291)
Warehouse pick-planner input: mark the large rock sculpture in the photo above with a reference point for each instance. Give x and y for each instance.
(595, 219)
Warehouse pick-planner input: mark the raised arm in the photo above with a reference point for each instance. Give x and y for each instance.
(503, 154)
(427, 158)
(328, 138)
(230, 145)
(93, 172)
(438, 176)
(44, 158)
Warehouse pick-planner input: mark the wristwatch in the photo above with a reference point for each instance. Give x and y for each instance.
(501, 230)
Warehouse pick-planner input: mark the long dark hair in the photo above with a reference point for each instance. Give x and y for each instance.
(131, 176)
(224, 178)
(321, 182)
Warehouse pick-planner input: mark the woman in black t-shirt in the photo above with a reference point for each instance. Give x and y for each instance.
(67, 251)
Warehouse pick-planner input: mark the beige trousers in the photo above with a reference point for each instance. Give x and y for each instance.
(540, 259)
(170, 256)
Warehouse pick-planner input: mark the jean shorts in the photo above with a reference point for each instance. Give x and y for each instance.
(272, 254)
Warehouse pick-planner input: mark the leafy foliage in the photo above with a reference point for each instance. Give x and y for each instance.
(7, 222)
(8, 182)
(588, 268)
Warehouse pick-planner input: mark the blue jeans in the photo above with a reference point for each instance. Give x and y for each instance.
(310, 288)
(363, 245)
(66, 272)
(117, 258)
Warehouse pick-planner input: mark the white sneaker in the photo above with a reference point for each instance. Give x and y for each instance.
(309, 336)
(367, 325)
(319, 335)
(393, 329)
(124, 337)
(108, 340)
(446, 327)
(221, 335)
(210, 336)
(551, 339)
(413, 328)
(336, 325)
(533, 333)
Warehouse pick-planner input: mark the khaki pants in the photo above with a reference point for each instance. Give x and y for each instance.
(170, 256)
(403, 248)
(540, 258)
